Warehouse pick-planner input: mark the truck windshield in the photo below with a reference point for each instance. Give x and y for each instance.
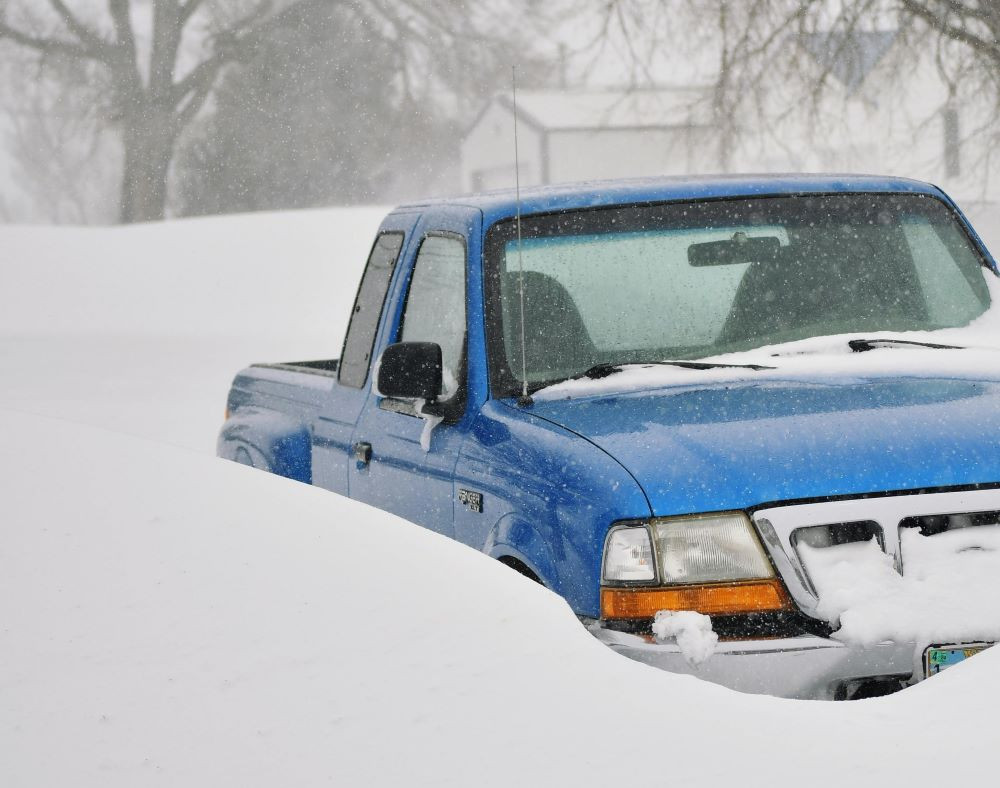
(689, 280)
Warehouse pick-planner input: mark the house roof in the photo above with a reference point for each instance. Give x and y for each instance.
(566, 110)
(849, 56)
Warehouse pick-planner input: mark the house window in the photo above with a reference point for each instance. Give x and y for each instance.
(952, 143)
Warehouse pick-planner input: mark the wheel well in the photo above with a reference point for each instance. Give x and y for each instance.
(246, 454)
(520, 567)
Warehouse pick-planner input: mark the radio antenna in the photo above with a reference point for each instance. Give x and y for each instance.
(524, 399)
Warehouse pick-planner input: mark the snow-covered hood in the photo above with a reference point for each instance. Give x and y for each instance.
(725, 445)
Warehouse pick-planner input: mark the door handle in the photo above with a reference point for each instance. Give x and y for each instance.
(362, 454)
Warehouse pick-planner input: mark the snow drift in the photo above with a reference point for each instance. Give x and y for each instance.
(170, 619)
(140, 329)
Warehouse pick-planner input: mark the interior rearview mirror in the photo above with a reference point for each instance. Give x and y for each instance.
(410, 370)
(739, 249)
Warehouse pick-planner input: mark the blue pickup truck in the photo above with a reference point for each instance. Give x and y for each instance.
(616, 389)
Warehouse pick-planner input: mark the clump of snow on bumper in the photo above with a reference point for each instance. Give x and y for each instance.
(692, 632)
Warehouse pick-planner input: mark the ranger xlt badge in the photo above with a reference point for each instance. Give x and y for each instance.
(473, 500)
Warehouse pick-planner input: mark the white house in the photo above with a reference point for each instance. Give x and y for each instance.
(586, 134)
(886, 110)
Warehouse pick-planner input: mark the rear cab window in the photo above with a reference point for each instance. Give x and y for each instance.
(359, 342)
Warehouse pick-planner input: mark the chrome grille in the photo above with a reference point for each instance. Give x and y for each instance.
(782, 526)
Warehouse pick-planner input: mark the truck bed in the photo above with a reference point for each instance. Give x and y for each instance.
(295, 389)
(322, 367)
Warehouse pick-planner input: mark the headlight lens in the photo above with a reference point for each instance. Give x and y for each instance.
(628, 555)
(710, 563)
(711, 548)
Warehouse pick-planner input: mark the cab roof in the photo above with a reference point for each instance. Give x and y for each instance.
(502, 204)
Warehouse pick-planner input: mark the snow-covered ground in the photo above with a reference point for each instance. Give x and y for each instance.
(170, 619)
(141, 329)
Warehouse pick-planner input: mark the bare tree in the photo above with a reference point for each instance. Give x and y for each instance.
(64, 160)
(159, 74)
(810, 48)
(974, 24)
(148, 98)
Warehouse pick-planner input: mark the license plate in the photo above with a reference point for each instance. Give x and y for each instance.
(937, 658)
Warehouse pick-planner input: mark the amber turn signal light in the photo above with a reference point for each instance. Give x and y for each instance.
(724, 599)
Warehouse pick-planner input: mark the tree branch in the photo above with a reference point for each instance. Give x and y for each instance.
(167, 32)
(87, 37)
(124, 35)
(125, 52)
(229, 46)
(196, 100)
(960, 34)
(960, 9)
(45, 45)
(204, 73)
(188, 9)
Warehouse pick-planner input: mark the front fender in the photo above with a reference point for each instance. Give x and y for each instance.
(283, 443)
(513, 537)
(552, 496)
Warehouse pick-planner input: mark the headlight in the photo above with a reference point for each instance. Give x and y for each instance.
(711, 548)
(628, 556)
(712, 564)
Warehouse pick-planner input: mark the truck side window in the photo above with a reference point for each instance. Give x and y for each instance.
(360, 340)
(435, 305)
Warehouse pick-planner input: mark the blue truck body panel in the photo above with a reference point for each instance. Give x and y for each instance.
(716, 448)
(549, 497)
(276, 409)
(555, 476)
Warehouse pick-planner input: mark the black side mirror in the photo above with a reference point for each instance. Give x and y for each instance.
(410, 370)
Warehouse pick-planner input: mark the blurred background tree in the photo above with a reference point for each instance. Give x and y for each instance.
(58, 144)
(313, 75)
(134, 110)
(146, 93)
(343, 103)
(771, 61)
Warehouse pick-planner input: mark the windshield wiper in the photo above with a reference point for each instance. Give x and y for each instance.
(603, 370)
(864, 345)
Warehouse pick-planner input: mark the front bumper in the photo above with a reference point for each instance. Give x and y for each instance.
(804, 667)
(808, 666)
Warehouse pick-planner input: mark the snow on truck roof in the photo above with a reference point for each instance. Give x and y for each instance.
(570, 196)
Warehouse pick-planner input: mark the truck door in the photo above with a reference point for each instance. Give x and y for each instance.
(391, 470)
(336, 421)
